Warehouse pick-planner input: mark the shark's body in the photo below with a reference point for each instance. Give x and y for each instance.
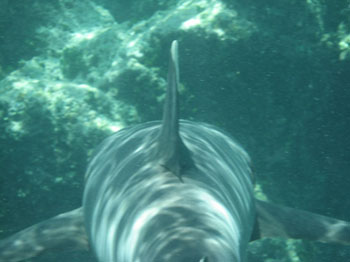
(148, 214)
(170, 191)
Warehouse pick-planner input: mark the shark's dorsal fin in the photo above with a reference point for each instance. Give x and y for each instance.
(171, 151)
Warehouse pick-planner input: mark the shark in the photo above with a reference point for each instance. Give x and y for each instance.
(170, 191)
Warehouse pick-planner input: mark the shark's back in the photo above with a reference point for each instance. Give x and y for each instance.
(169, 191)
(150, 215)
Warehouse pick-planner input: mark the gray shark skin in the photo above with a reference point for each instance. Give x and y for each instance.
(137, 209)
(168, 191)
(155, 217)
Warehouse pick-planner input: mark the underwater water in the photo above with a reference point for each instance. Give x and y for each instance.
(273, 75)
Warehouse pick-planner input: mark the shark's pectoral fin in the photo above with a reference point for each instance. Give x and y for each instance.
(278, 221)
(65, 231)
